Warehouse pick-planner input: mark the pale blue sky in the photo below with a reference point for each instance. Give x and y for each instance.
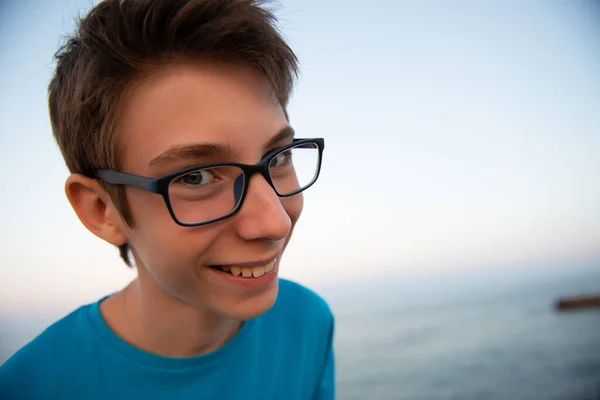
(459, 135)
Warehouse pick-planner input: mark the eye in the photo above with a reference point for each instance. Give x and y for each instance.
(198, 178)
(281, 159)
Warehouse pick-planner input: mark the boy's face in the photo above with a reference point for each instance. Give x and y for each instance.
(197, 104)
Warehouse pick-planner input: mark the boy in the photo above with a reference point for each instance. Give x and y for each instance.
(171, 117)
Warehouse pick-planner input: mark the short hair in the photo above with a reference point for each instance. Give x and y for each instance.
(119, 40)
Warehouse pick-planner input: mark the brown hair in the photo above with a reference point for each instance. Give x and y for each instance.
(120, 39)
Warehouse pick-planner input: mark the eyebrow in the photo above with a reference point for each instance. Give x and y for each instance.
(286, 133)
(189, 151)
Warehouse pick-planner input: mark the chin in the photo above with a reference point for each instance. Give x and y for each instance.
(248, 307)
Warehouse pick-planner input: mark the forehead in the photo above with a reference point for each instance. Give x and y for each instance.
(196, 103)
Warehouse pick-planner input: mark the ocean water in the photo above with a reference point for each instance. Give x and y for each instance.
(490, 338)
(494, 337)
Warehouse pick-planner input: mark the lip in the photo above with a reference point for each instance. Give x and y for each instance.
(250, 283)
(250, 263)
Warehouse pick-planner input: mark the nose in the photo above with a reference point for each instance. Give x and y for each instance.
(262, 215)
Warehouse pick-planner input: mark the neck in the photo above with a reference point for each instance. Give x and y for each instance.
(156, 322)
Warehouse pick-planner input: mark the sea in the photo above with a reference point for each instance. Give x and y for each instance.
(488, 335)
(493, 336)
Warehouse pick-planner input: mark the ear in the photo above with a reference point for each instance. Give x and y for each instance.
(94, 208)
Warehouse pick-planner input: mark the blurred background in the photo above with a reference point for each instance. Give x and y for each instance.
(459, 196)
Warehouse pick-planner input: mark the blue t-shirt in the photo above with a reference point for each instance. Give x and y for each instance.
(286, 353)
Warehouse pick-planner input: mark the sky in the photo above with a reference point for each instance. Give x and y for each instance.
(460, 136)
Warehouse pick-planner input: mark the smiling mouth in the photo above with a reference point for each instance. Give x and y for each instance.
(248, 272)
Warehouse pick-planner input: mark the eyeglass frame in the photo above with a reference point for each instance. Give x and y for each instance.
(160, 185)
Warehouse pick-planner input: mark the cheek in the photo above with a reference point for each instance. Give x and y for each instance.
(161, 244)
(175, 257)
(293, 206)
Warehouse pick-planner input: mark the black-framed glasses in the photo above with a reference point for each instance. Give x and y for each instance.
(208, 193)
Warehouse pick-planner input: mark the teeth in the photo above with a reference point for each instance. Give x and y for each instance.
(270, 266)
(248, 272)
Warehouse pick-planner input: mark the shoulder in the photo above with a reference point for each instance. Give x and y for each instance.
(39, 360)
(297, 296)
(299, 305)
(300, 329)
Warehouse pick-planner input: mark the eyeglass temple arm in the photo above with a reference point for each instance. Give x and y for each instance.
(122, 178)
